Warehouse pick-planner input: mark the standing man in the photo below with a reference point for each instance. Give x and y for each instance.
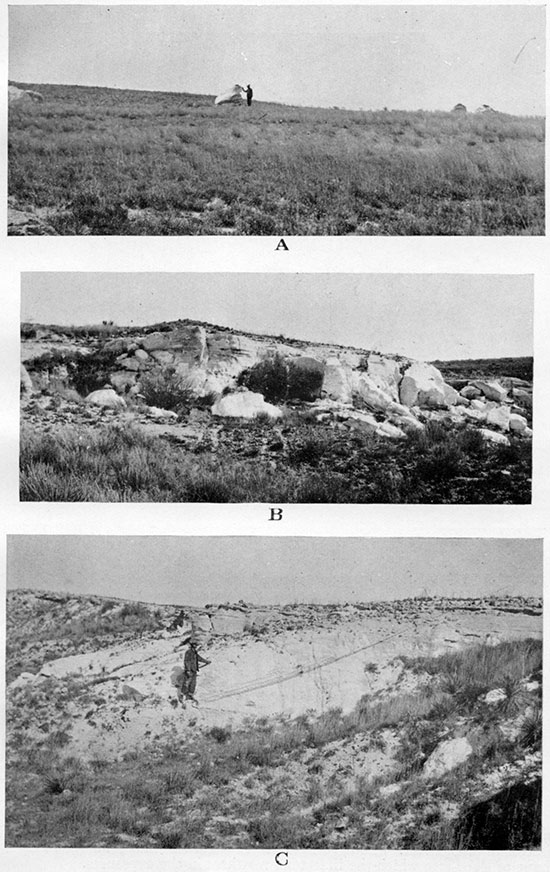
(191, 664)
(249, 95)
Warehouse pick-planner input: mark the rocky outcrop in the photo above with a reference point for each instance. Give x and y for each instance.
(423, 385)
(27, 223)
(244, 404)
(491, 389)
(23, 95)
(448, 755)
(380, 393)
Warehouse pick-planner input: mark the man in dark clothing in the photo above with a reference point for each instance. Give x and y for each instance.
(249, 95)
(191, 664)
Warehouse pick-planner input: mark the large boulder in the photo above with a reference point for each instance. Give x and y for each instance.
(448, 755)
(360, 421)
(422, 385)
(390, 431)
(107, 398)
(384, 374)
(337, 381)
(24, 95)
(244, 404)
(523, 397)
(451, 395)
(499, 416)
(495, 438)
(491, 389)
(375, 397)
(470, 392)
(479, 405)
(131, 364)
(518, 423)
(474, 414)
(161, 414)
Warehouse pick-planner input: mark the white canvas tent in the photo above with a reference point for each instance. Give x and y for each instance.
(232, 95)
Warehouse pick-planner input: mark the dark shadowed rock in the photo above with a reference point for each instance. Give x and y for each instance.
(508, 821)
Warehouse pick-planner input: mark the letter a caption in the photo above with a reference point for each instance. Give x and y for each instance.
(282, 246)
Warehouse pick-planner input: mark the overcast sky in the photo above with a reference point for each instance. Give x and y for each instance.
(416, 57)
(420, 316)
(199, 570)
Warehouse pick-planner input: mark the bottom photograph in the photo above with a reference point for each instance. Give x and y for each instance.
(272, 692)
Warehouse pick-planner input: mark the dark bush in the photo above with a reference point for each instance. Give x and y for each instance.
(98, 214)
(220, 734)
(167, 390)
(269, 377)
(280, 380)
(90, 372)
(304, 383)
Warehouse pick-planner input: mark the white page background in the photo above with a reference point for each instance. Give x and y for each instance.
(506, 255)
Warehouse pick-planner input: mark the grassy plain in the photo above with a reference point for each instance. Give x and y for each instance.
(105, 161)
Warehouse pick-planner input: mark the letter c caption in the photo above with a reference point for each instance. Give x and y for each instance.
(281, 858)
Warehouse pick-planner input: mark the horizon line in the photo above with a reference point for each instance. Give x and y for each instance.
(384, 109)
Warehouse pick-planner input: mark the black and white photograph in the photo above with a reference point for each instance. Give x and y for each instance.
(276, 388)
(234, 692)
(268, 120)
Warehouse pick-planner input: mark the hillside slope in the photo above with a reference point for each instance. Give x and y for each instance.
(187, 167)
(348, 707)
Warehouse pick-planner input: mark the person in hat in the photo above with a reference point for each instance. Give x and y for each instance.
(192, 662)
(249, 94)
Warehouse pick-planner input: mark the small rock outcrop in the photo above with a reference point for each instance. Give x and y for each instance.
(245, 404)
(448, 755)
(107, 398)
(423, 385)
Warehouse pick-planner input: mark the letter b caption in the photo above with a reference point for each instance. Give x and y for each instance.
(275, 515)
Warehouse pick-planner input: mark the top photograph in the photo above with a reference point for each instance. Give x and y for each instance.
(276, 120)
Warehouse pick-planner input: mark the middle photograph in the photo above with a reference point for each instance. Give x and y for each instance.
(317, 388)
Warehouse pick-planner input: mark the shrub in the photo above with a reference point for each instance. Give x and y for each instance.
(280, 380)
(268, 377)
(312, 449)
(99, 214)
(304, 383)
(90, 372)
(220, 734)
(530, 735)
(167, 390)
